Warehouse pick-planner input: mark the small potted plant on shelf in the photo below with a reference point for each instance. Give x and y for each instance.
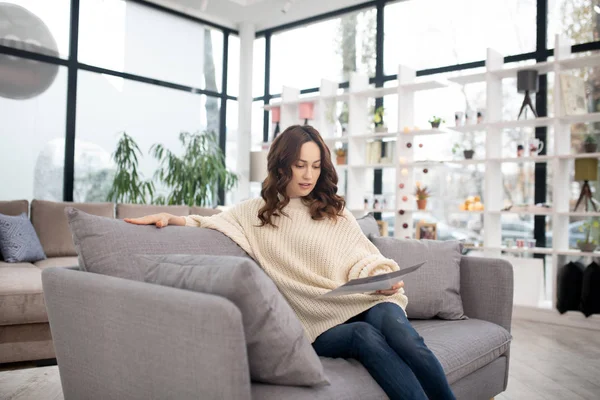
(436, 121)
(590, 144)
(468, 154)
(340, 156)
(378, 120)
(588, 244)
(422, 193)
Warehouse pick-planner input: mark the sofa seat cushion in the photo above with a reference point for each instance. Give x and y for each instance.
(141, 210)
(463, 346)
(51, 225)
(349, 380)
(21, 295)
(57, 262)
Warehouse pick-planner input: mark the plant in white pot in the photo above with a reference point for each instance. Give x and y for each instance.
(590, 242)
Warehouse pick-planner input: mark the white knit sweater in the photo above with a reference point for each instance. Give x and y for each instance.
(307, 258)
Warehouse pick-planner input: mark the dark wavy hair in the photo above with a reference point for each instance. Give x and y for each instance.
(323, 200)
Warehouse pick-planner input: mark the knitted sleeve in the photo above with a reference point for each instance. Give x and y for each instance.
(233, 223)
(362, 257)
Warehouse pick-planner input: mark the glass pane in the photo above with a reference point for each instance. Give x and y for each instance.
(258, 68)
(150, 43)
(149, 114)
(39, 26)
(231, 147)
(574, 19)
(233, 66)
(32, 133)
(427, 34)
(330, 49)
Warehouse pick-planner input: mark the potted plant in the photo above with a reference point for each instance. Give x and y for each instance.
(590, 144)
(422, 194)
(468, 154)
(194, 176)
(436, 121)
(589, 244)
(340, 158)
(378, 120)
(128, 185)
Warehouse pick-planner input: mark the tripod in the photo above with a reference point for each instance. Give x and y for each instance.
(586, 196)
(527, 102)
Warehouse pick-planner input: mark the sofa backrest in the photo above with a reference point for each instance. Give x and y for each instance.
(205, 212)
(14, 207)
(50, 223)
(140, 210)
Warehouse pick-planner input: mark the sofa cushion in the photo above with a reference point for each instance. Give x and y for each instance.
(64, 262)
(463, 347)
(21, 295)
(203, 211)
(349, 380)
(18, 240)
(50, 223)
(140, 210)
(434, 289)
(278, 350)
(106, 245)
(14, 207)
(369, 226)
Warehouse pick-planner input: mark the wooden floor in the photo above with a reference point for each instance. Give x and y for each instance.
(547, 362)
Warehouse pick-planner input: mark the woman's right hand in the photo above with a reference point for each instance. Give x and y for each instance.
(160, 220)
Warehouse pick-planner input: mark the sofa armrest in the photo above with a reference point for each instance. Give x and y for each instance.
(123, 339)
(486, 288)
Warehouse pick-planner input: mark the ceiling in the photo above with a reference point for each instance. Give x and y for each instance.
(262, 13)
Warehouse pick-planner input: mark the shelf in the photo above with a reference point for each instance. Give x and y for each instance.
(434, 163)
(578, 155)
(576, 119)
(539, 250)
(424, 132)
(580, 62)
(376, 166)
(429, 84)
(376, 135)
(522, 159)
(474, 212)
(469, 78)
(579, 214)
(524, 212)
(372, 210)
(511, 72)
(341, 167)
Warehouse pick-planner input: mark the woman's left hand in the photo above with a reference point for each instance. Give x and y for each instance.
(391, 291)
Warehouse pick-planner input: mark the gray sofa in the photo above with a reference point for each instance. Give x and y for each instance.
(119, 338)
(24, 331)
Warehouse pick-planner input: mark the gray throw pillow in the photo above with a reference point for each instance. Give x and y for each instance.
(368, 224)
(18, 240)
(106, 245)
(434, 289)
(278, 350)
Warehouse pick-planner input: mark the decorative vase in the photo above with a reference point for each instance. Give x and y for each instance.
(435, 124)
(340, 160)
(586, 247)
(590, 147)
(422, 204)
(468, 154)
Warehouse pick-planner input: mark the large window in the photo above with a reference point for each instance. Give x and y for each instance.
(32, 129)
(578, 20)
(149, 114)
(330, 49)
(149, 43)
(39, 26)
(427, 34)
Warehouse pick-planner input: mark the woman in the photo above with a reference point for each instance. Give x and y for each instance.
(301, 234)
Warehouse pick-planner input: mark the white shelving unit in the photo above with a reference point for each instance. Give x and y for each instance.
(357, 135)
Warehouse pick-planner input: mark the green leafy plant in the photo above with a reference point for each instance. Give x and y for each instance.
(378, 116)
(422, 192)
(436, 120)
(590, 228)
(590, 139)
(128, 186)
(193, 178)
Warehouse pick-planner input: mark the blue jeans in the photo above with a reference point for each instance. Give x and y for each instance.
(384, 342)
